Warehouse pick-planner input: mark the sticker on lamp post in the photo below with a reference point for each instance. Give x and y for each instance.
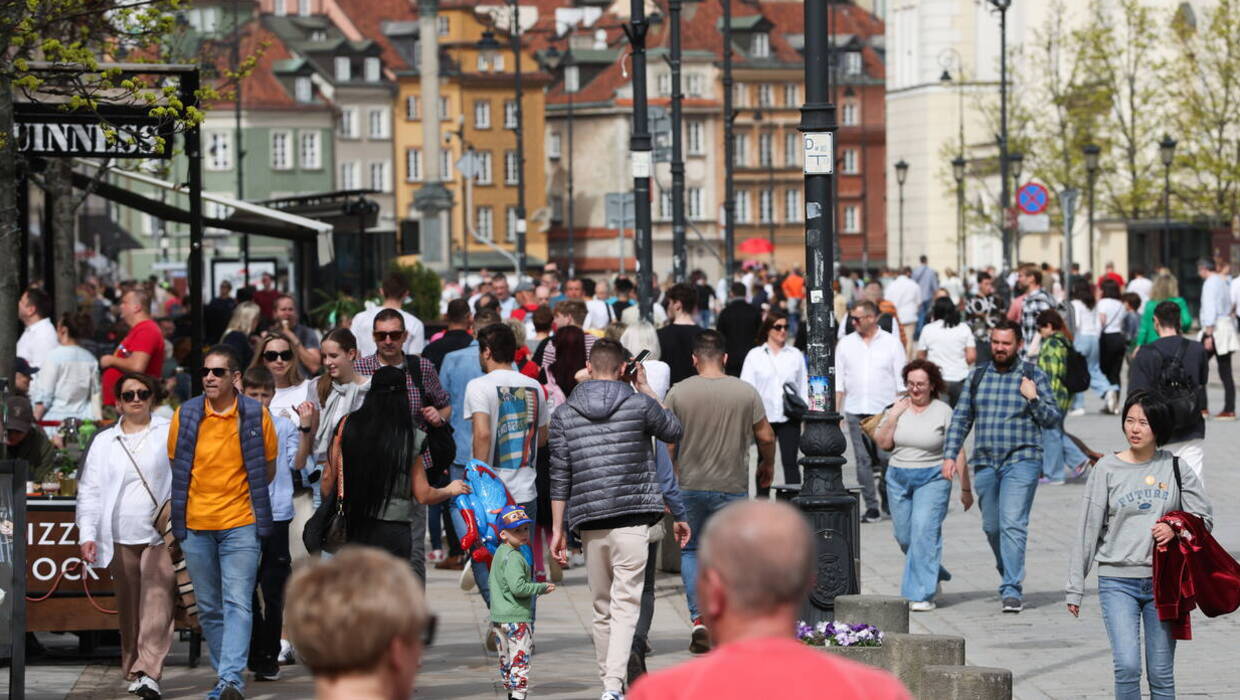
(819, 153)
(643, 163)
(819, 390)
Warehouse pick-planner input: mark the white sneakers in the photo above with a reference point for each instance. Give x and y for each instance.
(922, 606)
(145, 687)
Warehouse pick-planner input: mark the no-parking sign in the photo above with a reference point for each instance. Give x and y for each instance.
(1032, 198)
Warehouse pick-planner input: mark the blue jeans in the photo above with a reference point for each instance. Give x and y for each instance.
(1126, 604)
(1088, 346)
(1059, 452)
(1005, 496)
(223, 565)
(918, 500)
(699, 506)
(482, 572)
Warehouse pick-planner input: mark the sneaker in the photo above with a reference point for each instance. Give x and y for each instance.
(1225, 415)
(1045, 481)
(147, 688)
(467, 579)
(231, 692)
(133, 687)
(267, 675)
(871, 516)
(577, 559)
(1013, 605)
(611, 695)
(287, 655)
(1112, 401)
(455, 563)
(1076, 412)
(699, 642)
(435, 556)
(922, 606)
(492, 640)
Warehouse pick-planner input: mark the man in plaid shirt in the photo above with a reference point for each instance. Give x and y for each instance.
(432, 410)
(1011, 406)
(1036, 301)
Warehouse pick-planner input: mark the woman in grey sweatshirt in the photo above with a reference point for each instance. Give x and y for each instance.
(1126, 494)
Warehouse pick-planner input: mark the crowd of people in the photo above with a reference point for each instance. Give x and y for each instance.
(606, 429)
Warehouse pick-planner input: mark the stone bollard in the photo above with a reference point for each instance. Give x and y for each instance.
(908, 654)
(887, 613)
(966, 683)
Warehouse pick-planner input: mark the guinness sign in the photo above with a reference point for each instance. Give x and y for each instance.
(47, 130)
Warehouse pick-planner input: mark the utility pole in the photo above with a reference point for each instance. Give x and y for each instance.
(240, 150)
(831, 510)
(729, 148)
(515, 33)
(1005, 193)
(679, 256)
(641, 157)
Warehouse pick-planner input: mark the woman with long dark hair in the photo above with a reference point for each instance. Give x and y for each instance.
(950, 345)
(377, 453)
(768, 368)
(570, 358)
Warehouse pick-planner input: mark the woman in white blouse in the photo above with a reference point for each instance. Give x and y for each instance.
(768, 367)
(125, 478)
(67, 384)
(276, 354)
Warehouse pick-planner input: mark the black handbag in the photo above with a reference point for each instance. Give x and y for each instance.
(439, 440)
(325, 531)
(795, 407)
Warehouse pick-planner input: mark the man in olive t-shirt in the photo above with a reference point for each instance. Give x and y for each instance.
(722, 416)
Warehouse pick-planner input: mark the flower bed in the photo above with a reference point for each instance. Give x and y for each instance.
(839, 634)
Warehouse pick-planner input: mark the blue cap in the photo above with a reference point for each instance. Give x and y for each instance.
(513, 517)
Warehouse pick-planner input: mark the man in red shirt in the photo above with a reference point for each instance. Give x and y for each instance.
(1111, 274)
(750, 594)
(142, 350)
(266, 296)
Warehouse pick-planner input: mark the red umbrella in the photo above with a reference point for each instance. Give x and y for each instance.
(756, 246)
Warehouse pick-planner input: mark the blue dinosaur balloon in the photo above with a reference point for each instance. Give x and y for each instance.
(480, 510)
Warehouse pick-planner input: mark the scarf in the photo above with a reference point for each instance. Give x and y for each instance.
(343, 400)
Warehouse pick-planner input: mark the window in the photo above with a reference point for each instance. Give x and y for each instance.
(693, 84)
(350, 176)
(348, 123)
(281, 150)
(852, 63)
(848, 114)
(344, 69)
(852, 219)
(555, 203)
(486, 226)
(485, 170)
(766, 95)
(766, 149)
(761, 45)
(741, 205)
(693, 203)
(412, 113)
(303, 90)
(310, 155)
(791, 94)
(792, 205)
(792, 146)
(511, 170)
(381, 176)
(740, 148)
(553, 145)
(219, 150)
(572, 79)
(665, 205)
(279, 10)
(766, 206)
(482, 114)
(497, 63)
(665, 84)
(443, 25)
(380, 125)
(303, 8)
(695, 137)
(510, 114)
(510, 223)
(372, 68)
(445, 165)
(484, 63)
(318, 35)
(739, 94)
(413, 165)
(850, 161)
(443, 108)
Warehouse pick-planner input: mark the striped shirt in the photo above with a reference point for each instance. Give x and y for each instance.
(1009, 427)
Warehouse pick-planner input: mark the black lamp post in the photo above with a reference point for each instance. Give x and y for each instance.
(729, 147)
(958, 172)
(515, 34)
(1166, 151)
(641, 158)
(1005, 195)
(1092, 155)
(1015, 163)
(680, 258)
(901, 176)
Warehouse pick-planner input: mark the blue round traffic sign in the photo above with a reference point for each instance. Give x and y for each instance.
(1032, 198)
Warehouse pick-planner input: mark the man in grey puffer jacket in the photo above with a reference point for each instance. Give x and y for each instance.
(603, 473)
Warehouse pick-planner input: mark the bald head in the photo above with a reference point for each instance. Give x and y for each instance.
(762, 552)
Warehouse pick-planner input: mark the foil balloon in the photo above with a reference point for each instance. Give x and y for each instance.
(480, 510)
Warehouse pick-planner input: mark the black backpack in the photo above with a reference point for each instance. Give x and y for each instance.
(1076, 369)
(1178, 388)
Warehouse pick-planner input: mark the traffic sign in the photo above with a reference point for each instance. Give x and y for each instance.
(1032, 198)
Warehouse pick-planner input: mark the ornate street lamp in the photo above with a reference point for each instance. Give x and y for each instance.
(901, 176)
(958, 172)
(1166, 151)
(1093, 154)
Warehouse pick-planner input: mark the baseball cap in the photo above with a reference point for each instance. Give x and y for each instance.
(513, 517)
(20, 416)
(20, 366)
(524, 287)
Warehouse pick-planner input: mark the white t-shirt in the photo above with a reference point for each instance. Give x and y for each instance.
(517, 409)
(1113, 309)
(945, 347)
(1086, 319)
(1141, 286)
(598, 315)
(363, 328)
(286, 400)
(37, 342)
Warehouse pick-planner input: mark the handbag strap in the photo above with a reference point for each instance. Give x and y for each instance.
(339, 452)
(136, 468)
(1179, 481)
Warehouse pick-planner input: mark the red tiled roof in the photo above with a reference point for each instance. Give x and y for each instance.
(369, 15)
(260, 89)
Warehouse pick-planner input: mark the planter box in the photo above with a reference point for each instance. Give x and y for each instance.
(870, 656)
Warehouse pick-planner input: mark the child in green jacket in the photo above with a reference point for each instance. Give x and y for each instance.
(512, 598)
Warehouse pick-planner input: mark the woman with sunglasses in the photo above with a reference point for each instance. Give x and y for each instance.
(277, 355)
(125, 478)
(337, 393)
(768, 367)
(376, 448)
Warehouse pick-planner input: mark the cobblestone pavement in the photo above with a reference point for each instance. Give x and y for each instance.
(1051, 654)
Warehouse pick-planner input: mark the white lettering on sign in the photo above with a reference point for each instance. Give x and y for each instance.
(86, 139)
(819, 153)
(47, 534)
(47, 568)
(643, 163)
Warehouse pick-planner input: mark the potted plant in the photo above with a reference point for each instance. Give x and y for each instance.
(861, 643)
(64, 471)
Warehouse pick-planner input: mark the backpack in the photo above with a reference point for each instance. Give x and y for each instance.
(439, 440)
(1178, 388)
(1076, 369)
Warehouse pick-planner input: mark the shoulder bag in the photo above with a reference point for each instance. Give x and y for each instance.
(439, 441)
(795, 407)
(326, 530)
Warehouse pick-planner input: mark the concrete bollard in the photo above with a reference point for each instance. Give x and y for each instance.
(966, 683)
(908, 654)
(887, 613)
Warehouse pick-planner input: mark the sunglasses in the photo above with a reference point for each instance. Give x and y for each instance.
(273, 355)
(858, 319)
(217, 371)
(138, 395)
(381, 336)
(779, 327)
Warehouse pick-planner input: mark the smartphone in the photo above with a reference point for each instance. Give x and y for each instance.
(631, 370)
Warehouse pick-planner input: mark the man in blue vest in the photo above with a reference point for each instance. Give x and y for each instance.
(223, 449)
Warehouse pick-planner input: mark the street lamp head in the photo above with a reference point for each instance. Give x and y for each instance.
(1016, 161)
(757, 115)
(958, 165)
(1166, 149)
(1092, 151)
(488, 43)
(849, 92)
(946, 77)
(1001, 5)
(901, 171)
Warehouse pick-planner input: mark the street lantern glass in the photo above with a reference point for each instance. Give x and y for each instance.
(551, 57)
(1016, 161)
(488, 46)
(958, 164)
(901, 171)
(1166, 150)
(1092, 152)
